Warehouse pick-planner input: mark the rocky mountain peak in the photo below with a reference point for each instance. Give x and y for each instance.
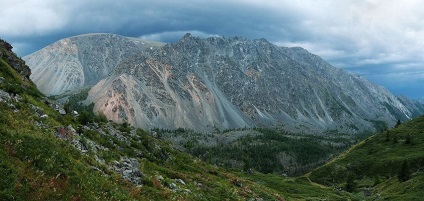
(216, 82)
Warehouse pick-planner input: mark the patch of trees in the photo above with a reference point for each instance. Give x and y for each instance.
(272, 152)
(86, 114)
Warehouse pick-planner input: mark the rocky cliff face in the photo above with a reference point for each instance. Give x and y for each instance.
(216, 82)
(16, 63)
(416, 107)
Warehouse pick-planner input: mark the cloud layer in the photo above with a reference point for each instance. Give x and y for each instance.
(382, 40)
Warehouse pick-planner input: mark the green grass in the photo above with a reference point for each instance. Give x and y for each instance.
(380, 158)
(299, 188)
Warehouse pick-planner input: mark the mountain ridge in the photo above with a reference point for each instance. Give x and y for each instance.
(218, 82)
(46, 154)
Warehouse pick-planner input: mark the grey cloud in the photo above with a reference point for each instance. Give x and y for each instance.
(377, 39)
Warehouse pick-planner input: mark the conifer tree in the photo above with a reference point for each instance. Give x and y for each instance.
(404, 173)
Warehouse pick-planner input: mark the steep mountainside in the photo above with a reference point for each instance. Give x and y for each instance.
(218, 82)
(416, 107)
(76, 62)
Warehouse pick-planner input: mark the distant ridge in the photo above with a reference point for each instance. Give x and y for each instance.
(215, 83)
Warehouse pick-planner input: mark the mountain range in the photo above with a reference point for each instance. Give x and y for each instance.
(215, 83)
(48, 155)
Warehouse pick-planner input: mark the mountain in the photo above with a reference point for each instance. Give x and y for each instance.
(214, 83)
(386, 166)
(48, 155)
(77, 62)
(416, 107)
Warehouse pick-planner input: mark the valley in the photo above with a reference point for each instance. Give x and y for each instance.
(154, 121)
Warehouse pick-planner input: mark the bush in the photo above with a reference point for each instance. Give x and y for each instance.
(404, 173)
(84, 118)
(350, 183)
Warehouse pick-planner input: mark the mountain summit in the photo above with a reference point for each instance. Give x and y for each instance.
(213, 83)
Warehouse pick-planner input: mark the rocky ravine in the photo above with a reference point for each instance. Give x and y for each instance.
(218, 82)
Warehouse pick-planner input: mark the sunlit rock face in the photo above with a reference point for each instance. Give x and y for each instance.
(214, 83)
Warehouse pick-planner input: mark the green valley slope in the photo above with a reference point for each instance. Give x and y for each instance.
(386, 166)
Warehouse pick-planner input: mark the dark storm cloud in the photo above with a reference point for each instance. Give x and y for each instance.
(381, 39)
(153, 18)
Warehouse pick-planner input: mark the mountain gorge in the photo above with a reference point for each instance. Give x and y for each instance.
(215, 83)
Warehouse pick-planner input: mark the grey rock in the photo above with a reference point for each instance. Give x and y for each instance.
(421, 100)
(78, 145)
(74, 63)
(36, 110)
(72, 129)
(414, 106)
(172, 186)
(159, 178)
(62, 111)
(218, 82)
(16, 63)
(128, 169)
(180, 181)
(17, 98)
(197, 184)
(4, 95)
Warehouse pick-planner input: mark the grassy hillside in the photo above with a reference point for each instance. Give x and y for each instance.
(45, 155)
(388, 165)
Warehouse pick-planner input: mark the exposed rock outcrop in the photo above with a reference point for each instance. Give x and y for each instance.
(215, 83)
(13, 60)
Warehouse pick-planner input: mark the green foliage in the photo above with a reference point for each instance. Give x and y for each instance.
(84, 117)
(271, 152)
(8, 175)
(395, 139)
(85, 112)
(376, 157)
(125, 127)
(299, 188)
(408, 139)
(404, 173)
(351, 183)
(14, 83)
(398, 123)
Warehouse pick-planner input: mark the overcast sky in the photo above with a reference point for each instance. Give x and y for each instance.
(382, 40)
